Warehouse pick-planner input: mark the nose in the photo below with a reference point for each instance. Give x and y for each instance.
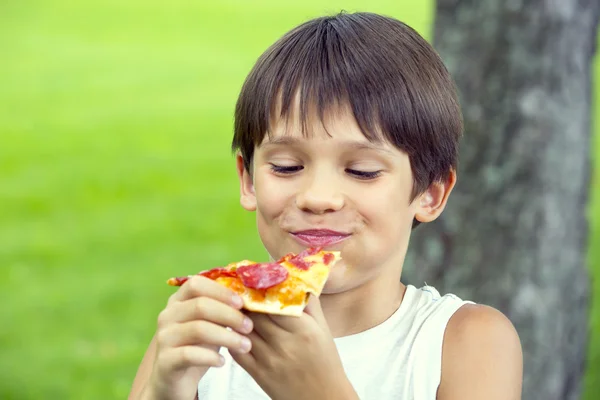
(320, 194)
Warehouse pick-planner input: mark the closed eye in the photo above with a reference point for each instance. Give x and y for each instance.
(286, 170)
(364, 175)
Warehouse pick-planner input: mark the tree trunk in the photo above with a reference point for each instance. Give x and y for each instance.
(514, 233)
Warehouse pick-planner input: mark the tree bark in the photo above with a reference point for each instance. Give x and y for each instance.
(514, 233)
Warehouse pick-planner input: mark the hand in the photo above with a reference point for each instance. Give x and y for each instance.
(191, 330)
(295, 358)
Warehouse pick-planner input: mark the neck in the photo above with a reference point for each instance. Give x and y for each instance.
(364, 306)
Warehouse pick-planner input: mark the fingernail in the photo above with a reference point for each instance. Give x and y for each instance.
(221, 360)
(245, 345)
(237, 301)
(247, 325)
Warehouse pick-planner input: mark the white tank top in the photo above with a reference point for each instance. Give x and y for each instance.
(400, 359)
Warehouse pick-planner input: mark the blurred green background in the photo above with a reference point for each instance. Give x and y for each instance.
(115, 173)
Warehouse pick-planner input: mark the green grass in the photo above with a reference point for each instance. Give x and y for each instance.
(115, 173)
(592, 379)
(115, 123)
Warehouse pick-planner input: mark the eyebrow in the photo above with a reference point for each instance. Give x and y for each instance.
(356, 145)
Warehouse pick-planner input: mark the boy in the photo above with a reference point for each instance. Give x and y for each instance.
(347, 130)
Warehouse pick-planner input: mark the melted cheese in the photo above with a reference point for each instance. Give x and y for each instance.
(290, 296)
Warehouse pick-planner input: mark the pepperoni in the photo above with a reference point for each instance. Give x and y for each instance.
(285, 258)
(210, 274)
(300, 263)
(177, 281)
(328, 258)
(262, 276)
(218, 272)
(311, 251)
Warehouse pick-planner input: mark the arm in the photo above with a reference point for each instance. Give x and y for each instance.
(481, 356)
(190, 332)
(143, 372)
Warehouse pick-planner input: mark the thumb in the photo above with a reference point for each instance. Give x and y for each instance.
(313, 308)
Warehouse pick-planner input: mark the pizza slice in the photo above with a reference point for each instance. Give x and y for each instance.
(282, 287)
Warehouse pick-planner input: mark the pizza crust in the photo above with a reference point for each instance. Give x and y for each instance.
(275, 308)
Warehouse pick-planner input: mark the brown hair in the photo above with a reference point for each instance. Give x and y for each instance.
(392, 80)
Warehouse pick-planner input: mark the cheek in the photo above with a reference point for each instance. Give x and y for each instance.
(271, 196)
(384, 209)
(387, 216)
(274, 199)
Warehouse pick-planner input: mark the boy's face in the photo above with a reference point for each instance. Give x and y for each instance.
(337, 190)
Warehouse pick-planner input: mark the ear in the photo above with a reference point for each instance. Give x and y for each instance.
(247, 195)
(432, 202)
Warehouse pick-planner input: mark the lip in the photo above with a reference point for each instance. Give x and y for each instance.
(319, 237)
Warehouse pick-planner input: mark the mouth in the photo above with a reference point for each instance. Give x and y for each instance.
(319, 237)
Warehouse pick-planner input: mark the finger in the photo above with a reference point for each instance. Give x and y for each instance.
(260, 351)
(205, 309)
(200, 286)
(314, 309)
(312, 314)
(187, 356)
(290, 324)
(202, 333)
(246, 361)
(260, 347)
(264, 325)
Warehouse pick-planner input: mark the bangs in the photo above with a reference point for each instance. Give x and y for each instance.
(313, 82)
(315, 69)
(381, 70)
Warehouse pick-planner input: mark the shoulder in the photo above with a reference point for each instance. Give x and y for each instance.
(481, 356)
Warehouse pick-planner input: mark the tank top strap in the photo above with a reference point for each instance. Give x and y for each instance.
(436, 312)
